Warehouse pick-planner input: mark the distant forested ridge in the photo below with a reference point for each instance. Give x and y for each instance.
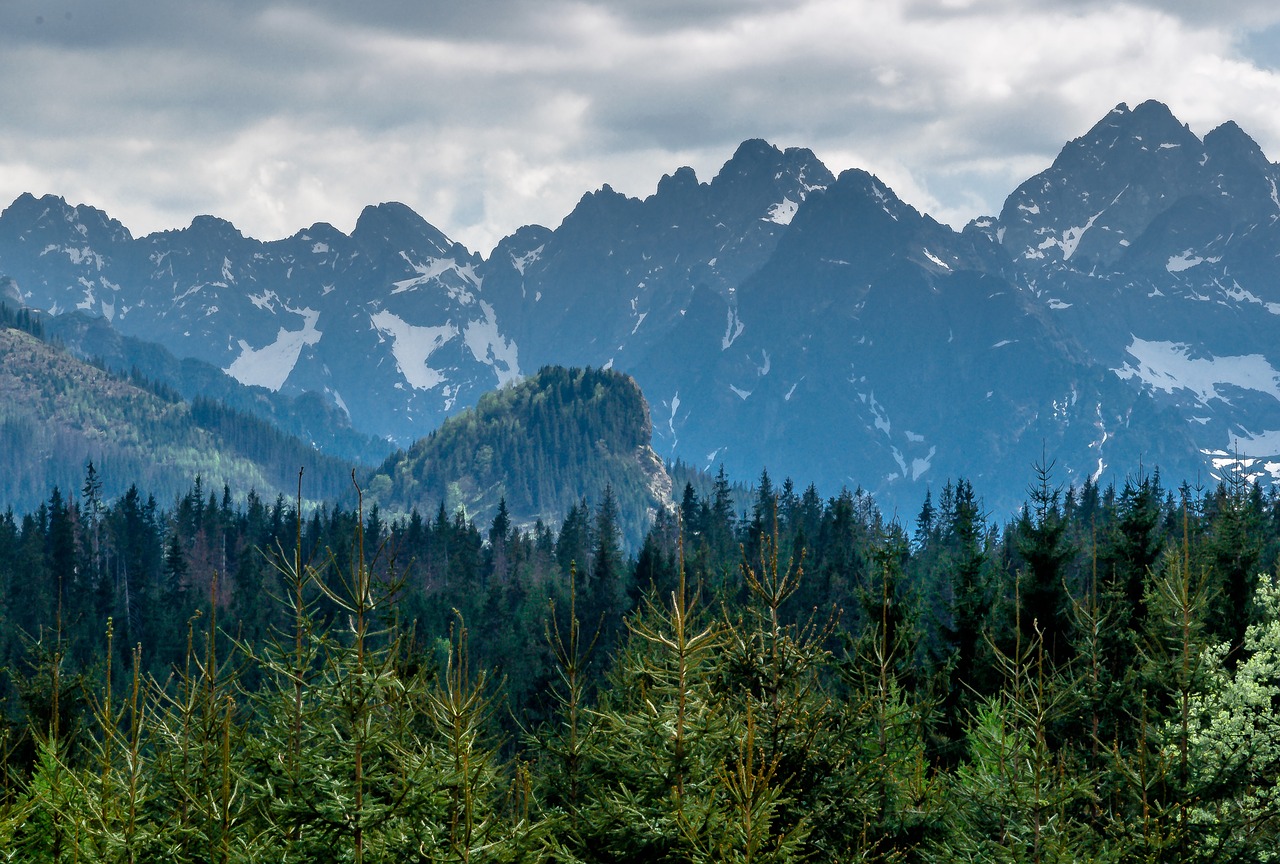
(801, 680)
(305, 416)
(57, 413)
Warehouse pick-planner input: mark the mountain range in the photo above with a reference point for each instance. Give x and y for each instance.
(1119, 314)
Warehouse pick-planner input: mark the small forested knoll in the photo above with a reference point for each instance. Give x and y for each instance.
(57, 413)
(1092, 680)
(542, 445)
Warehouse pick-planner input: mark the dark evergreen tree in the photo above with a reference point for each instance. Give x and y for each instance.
(965, 627)
(605, 591)
(1232, 550)
(1044, 551)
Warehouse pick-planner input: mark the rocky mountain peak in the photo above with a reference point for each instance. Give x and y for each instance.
(395, 225)
(753, 151)
(214, 228)
(52, 217)
(775, 315)
(683, 180)
(757, 163)
(1104, 190)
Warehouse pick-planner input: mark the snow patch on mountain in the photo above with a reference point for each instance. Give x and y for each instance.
(520, 262)
(1185, 261)
(1072, 236)
(1265, 443)
(82, 255)
(783, 212)
(1235, 292)
(339, 401)
(89, 300)
(919, 466)
(266, 301)
(936, 260)
(1233, 463)
(490, 347)
(270, 365)
(412, 346)
(1170, 366)
(431, 269)
(881, 418)
(884, 196)
(1103, 436)
(902, 463)
(733, 329)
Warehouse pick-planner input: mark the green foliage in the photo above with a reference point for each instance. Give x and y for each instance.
(57, 413)
(807, 686)
(540, 446)
(1233, 748)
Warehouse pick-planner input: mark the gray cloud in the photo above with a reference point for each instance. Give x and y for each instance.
(487, 114)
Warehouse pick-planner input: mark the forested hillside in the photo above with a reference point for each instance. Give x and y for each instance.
(58, 413)
(559, 438)
(305, 416)
(1092, 680)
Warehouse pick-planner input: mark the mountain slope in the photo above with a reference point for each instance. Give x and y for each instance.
(58, 413)
(306, 416)
(396, 296)
(540, 445)
(1157, 251)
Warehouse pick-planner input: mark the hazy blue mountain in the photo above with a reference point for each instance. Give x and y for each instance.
(1121, 310)
(1158, 252)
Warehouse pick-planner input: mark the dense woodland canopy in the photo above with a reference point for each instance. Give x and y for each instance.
(536, 446)
(781, 678)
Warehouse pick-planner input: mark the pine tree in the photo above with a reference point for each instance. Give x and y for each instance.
(965, 629)
(660, 735)
(1042, 544)
(605, 592)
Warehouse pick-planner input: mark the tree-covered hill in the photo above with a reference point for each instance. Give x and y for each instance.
(542, 445)
(58, 413)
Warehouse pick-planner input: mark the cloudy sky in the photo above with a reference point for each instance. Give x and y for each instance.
(484, 115)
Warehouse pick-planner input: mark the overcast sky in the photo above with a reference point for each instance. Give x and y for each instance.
(484, 115)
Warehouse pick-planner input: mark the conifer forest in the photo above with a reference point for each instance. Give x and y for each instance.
(768, 676)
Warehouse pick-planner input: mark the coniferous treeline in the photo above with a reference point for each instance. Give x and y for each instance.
(22, 318)
(1093, 680)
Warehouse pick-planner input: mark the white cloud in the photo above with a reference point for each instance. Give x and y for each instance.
(486, 115)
